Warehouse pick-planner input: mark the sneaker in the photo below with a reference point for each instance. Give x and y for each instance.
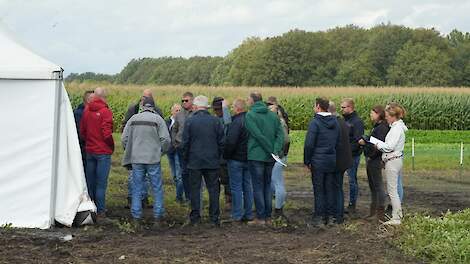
(338, 221)
(330, 222)
(268, 221)
(257, 222)
(158, 222)
(351, 209)
(137, 223)
(317, 221)
(215, 224)
(195, 223)
(279, 213)
(393, 222)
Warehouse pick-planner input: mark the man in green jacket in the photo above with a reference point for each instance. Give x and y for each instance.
(266, 137)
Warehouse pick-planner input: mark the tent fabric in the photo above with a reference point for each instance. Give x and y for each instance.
(72, 195)
(18, 62)
(41, 175)
(26, 144)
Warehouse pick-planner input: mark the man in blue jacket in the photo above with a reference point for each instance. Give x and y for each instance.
(321, 141)
(203, 137)
(235, 152)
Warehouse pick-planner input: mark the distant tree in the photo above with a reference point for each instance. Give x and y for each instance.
(382, 55)
(358, 71)
(418, 65)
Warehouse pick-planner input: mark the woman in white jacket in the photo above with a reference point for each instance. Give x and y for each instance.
(392, 155)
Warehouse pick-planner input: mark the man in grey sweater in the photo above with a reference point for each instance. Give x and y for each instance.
(144, 139)
(177, 138)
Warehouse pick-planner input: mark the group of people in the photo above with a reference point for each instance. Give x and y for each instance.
(245, 153)
(334, 145)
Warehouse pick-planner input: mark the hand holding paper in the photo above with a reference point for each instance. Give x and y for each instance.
(277, 159)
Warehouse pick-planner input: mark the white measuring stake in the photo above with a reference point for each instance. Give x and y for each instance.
(461, 153)
(412, 147)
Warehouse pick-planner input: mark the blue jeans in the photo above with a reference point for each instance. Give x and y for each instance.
(184, 174)
(324, 194)
(145, 192)
(400, 186)
(241, 189)
(277, 184)
(174, 160)
(261, 178)
(352, 175)
(97, 172)
(138, 179)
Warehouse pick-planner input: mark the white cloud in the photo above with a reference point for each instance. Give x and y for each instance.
(102, 36)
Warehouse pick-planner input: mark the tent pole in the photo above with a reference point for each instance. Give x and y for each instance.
(55, 154)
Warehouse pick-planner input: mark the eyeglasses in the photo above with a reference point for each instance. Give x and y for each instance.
(184, 100)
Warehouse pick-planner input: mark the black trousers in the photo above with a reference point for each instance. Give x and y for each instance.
(376, 183)
(324, 194)
(211, 178)
(339, 196)
(224, 179)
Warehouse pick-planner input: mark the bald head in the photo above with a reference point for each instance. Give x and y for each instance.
(100, 93)
(239, 106)
(147, 93)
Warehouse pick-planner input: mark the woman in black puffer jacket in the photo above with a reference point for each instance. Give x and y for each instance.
(374, 162)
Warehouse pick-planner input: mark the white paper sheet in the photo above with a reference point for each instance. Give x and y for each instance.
(374, 140)
(277, 159)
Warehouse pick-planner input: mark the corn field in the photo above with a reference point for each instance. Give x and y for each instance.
(427, 108)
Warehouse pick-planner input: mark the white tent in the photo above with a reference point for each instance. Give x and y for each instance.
(41, 173)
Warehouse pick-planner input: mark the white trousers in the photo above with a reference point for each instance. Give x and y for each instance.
(392, 171)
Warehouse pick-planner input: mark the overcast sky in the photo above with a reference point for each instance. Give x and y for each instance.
(103, 35)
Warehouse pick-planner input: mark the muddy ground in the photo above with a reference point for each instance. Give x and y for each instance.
(292, 241)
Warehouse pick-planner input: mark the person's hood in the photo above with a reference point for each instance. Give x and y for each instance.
(399, 124)
(97, 104)
(259, 107)
(328, 121)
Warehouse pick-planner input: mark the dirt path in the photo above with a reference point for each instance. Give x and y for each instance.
(357, 241)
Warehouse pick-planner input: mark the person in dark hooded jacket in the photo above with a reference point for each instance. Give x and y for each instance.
(321, 142)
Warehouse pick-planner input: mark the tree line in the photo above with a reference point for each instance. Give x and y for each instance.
(383, 55)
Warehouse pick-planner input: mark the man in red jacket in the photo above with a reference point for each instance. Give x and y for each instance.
(96, 130)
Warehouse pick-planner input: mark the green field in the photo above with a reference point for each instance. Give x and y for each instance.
(434, 149)
(427, 108)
